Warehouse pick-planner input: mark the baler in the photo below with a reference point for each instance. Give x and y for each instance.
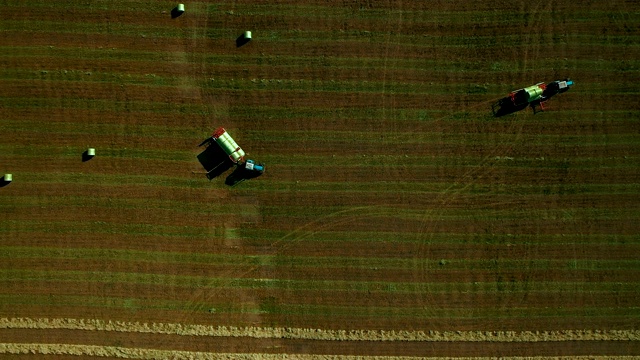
(228, 145)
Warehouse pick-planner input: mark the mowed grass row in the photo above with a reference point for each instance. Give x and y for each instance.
(133, 304)
(366, 22)
(468, 105)
(373, 161)
(455, 128)
(150, 183)
(275, 82)
(364, 19)
(136, 59)
(507, 208)
(128, 255)
(208, 282)
(149, 115)
(276, 136)
(416, 13)
(117, 92)
(306, 37)
(273, 113)
(182, 235)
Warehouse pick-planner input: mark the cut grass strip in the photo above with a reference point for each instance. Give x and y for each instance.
(278, 113)
(387, 312)
(268, 236)
(475, 14)
(509, 209)
(275, 186)
(71, 76)
(314, 261)
(191, 134)
(285, 84)
(316, 36)
(109, 105)
(446, 238)
(319, 334)
(205, 282)
(291, 61)
(195, 208)
(434, 188)
(163, 152)
(116, 180)
(97, 227)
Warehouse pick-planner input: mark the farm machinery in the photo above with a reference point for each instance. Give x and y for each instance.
(533, 96)
(222, 153)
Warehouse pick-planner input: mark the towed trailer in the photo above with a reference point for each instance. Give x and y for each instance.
(228, 145)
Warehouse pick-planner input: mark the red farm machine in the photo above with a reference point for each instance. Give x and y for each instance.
(222, 153)
(533, 96)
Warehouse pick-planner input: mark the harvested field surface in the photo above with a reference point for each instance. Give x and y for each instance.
(397, 217)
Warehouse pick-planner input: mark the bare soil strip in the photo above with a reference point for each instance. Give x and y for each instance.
(319, 334)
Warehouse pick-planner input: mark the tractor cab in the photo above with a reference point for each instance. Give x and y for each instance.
(251, 166)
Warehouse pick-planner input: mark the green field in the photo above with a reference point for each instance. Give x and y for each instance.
(393, 200)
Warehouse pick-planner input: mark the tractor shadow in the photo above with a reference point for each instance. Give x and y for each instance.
(4, 182)
(239, 175)
(505, 107)
(86, 157)
(215, 161)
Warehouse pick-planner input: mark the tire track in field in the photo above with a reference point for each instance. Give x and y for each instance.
(349, 215)
(451, 193)
(303, 231)
(481, 170)
(343, 216)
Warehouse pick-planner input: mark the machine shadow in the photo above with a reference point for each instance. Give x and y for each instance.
(175, 12)
(86, 157)
(215, 161)
(505, 107)
(241, 40)
(239, 175)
